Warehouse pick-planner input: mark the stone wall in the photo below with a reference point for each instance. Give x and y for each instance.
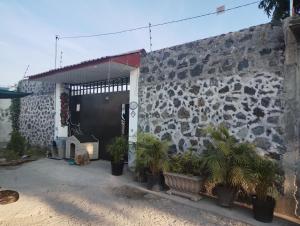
(291, 117)
(236, 78)
(37, 112)
(247, 79)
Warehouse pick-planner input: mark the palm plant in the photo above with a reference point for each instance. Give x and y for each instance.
(266, 173)
(151, 152)
(228, 161)
(117, 149)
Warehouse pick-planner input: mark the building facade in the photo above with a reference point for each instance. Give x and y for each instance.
(248, 80)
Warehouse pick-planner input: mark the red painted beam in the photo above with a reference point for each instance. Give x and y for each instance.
(132, 59)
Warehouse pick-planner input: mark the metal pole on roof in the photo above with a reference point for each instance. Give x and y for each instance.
(26, 71)
(61, 58)
(55, 57)
(150, 37)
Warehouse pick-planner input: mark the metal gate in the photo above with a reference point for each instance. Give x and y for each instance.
(97, 108)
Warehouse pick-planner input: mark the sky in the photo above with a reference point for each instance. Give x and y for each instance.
(28, 29)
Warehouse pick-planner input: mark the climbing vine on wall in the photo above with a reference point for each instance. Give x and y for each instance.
(64, 108)
(4, 113)
(15, 110)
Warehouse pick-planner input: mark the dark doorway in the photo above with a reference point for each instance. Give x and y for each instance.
(72, 151)
(101, 115)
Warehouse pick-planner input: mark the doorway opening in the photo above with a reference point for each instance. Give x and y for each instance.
(72, 151)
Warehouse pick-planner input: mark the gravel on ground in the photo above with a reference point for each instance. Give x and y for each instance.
(55, 193)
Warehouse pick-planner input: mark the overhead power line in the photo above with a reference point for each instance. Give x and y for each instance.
(156, 25)
(149, 26)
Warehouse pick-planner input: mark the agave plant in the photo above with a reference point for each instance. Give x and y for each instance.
(228, 161)
(151, 153)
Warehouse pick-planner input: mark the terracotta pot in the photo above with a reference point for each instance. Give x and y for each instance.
(182, 185)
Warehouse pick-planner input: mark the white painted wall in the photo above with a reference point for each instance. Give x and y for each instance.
(5, 122)
(59, 130)
(133, 115)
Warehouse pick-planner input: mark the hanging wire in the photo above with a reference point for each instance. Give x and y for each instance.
(158, 24)
(57, 37)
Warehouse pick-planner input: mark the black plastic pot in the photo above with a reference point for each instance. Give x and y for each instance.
(141, 176)
(117, 168)
(163, 184)
(263, 210)
(225, 195)
(154, 182)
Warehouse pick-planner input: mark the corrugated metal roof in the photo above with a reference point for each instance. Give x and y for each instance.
(6, 94)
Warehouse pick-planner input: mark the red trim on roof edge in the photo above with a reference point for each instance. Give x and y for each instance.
(132, 59)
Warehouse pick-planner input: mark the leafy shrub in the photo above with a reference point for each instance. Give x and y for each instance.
(151, 153)
(35, 152)
(187, 163)
(64, 102)
(17, 143)
(267, 174)
(228, 161)
(9, 155)
(15, 110)
(117, 149)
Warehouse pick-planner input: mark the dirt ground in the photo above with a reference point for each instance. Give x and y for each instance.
(55, 193)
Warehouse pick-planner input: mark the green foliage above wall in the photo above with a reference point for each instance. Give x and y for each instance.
(17, 143)
(4, 113)
(278, 9)
(15, 112)
(64, 100)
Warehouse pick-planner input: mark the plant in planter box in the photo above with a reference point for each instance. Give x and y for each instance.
(227, 163)
(117, 149)
(151, 153)
(182, 175)
(267, 175)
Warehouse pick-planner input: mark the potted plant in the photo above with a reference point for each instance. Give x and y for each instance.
(140, 170)
(182, 175)
(151, 153)
(227, 163)
(117, 149)
(267, 174)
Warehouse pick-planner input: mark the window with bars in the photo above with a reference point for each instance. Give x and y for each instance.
(104, 86)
